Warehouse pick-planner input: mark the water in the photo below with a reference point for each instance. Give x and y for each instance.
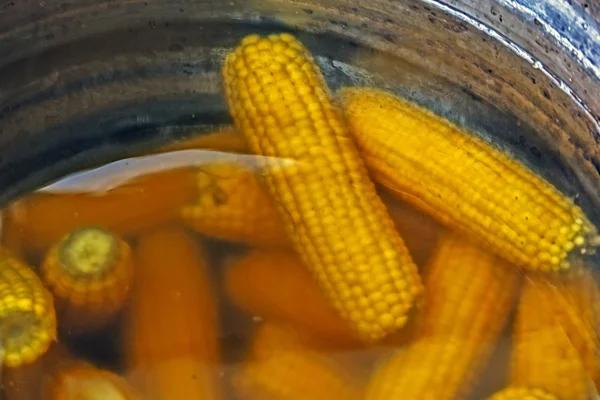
(205, 306)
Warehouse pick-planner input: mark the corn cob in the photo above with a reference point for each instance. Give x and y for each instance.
(12, 237)
(89, 271)
(172, 346)
(277, 286)
(330, 209)
(419, 230)
(42, 219)
(83, 381)
(469, 295)
(27, 316)
(544, 356)
(28, 381)
(577, 306)
(283, 365)
(227, 139)
(519, 393)
(231, 205)
(463, 182)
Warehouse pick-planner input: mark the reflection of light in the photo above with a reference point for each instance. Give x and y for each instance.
(119, 172)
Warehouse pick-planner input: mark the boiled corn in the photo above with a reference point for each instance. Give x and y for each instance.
(277, 286)
(464, 182)
(469, 294)
(519, 393)
(544, 355)
(284, 366)
(329, 206)
(27, 316)
(172, 348)
(231, 205)
(89, 271)
(83, 381)
(42, 219)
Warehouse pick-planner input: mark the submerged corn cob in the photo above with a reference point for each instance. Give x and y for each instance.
(89, 271)
(330, 209)
(231, 205)
(464, 182)
(284, 366)
(42, 219)
(171, 345)
(469, 294)
(277, 286)
(83, 381)
(519, 393)
(27, 316)
(544, 356)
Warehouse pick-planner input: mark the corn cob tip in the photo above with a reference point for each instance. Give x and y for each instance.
(27, 316)
(521, 393)
(88, 251)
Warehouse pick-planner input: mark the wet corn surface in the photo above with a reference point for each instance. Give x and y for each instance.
(326, 245)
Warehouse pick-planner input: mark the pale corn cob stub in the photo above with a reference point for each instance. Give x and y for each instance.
(521, 393)
(464, 182)
(232, 206)
(27, 316)
(330, 209)
(469, 296)
(90, 271)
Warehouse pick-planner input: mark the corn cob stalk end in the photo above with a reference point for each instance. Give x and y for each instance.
(89, 271)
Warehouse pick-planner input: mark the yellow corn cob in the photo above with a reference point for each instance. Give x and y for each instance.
(172, 347)
(469, 294)
(576, 302)
(464, 182)
(89, 271)
(41, 219)
(284, 366)
(272, 338)
(82, 381)
(277, 286)
(519, 393)
(232, 206)
(27, 316)
(544, 355)
(27, 382)
(330, 209)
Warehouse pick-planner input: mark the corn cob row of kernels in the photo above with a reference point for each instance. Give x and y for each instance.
(90, 272)
(27, 315)
(338, 225)
(464, 182)
(232, 205)
(520, 393)
(469, 293)
(543, 354)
